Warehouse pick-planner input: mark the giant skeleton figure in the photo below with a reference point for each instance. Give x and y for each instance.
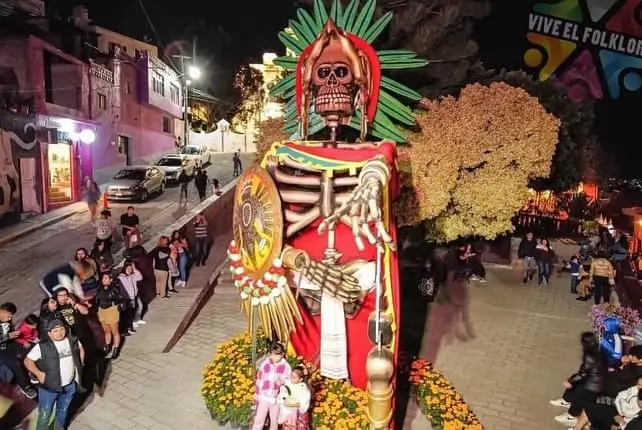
(324, 211)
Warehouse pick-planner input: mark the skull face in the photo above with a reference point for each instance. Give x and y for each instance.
(333, 84)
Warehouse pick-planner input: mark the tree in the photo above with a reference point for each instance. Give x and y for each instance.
(270, 131)
(576, 127)
(467, 171)
(578, 206)
(249, 82)
(440, 31)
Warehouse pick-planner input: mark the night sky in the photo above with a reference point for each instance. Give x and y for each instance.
(234, 32)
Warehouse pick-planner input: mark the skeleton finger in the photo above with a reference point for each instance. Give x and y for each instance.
(365, 229)
(384, 235)
(356, 234)
(351, 283)
(375, 211)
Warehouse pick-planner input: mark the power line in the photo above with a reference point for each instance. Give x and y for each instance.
(158, 39)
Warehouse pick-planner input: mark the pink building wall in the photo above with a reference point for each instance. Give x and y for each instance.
(141, 122)
(126, 117)
(104, 104)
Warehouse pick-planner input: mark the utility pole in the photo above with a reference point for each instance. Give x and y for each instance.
(186, 83)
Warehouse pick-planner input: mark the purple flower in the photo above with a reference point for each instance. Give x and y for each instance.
(629, 318)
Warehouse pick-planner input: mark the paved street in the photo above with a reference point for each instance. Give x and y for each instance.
(524, 342)
(24, 261)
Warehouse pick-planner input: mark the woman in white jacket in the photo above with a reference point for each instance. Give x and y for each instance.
(129, 278)
(627, 405)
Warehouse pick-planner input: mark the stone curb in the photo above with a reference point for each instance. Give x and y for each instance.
(35, 227)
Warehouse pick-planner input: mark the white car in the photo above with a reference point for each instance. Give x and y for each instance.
(172, 165)
(200, 154)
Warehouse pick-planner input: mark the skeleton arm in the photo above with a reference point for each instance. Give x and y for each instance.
(365, 204)
(333, 280)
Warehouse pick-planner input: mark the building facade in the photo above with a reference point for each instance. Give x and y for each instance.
(138, 117)
(45, 122)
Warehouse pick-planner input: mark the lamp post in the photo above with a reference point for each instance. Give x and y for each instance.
(188, 75)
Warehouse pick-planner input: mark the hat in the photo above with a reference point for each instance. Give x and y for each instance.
(55, 323)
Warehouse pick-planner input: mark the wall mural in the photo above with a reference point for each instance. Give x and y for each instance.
(594, 46)
(17, 141)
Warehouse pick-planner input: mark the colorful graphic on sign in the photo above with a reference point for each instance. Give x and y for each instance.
(593, 46)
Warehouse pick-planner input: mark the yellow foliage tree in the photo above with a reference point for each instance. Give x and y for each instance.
(270, 131)
(467, 171)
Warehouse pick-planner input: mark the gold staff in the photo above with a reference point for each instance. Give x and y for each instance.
(379, 364)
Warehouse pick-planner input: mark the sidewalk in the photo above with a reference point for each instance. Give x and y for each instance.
(34, 223)
(147, 389)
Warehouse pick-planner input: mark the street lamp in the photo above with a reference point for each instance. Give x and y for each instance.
(194, 72)
(189, 74)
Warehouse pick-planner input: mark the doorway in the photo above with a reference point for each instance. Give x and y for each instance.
(60, 176)
(28, 185)
(124, 149)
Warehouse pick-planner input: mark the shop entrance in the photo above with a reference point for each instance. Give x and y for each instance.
(60, 177)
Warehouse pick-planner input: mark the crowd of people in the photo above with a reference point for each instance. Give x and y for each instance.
(89, 306)
(603, 397)
(596, 270)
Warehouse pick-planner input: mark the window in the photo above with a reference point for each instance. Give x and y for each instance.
(158, 84)
(167, 125)
(173, 94)
(123, 145)
(128, 88)
(102, 101)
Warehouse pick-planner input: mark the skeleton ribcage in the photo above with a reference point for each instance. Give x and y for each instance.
(308, 194)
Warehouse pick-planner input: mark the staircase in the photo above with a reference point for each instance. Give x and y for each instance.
(58, 195)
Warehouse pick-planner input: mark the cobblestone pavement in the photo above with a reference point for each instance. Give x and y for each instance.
(24, 261)
(521, 342)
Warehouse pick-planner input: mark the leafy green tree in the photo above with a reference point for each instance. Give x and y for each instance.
(249, 82)
(575, 134)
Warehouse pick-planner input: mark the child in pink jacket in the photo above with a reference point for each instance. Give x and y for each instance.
(273, 372)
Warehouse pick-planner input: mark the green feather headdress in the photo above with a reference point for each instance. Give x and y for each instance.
(356, 19)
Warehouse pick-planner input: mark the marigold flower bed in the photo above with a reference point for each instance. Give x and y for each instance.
(228, 390)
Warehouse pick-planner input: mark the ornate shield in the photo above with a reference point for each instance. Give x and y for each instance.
(258, 221)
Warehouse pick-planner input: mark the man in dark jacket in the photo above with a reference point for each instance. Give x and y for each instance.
(57, 364)
(526, 252)
(200, 182)
(183, 181)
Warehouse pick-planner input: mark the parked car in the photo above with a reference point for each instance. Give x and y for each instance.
(173, 163)
(136, 183)
(199, 153)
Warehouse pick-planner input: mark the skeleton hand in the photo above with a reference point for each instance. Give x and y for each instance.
(364, 206)
(332, 280)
